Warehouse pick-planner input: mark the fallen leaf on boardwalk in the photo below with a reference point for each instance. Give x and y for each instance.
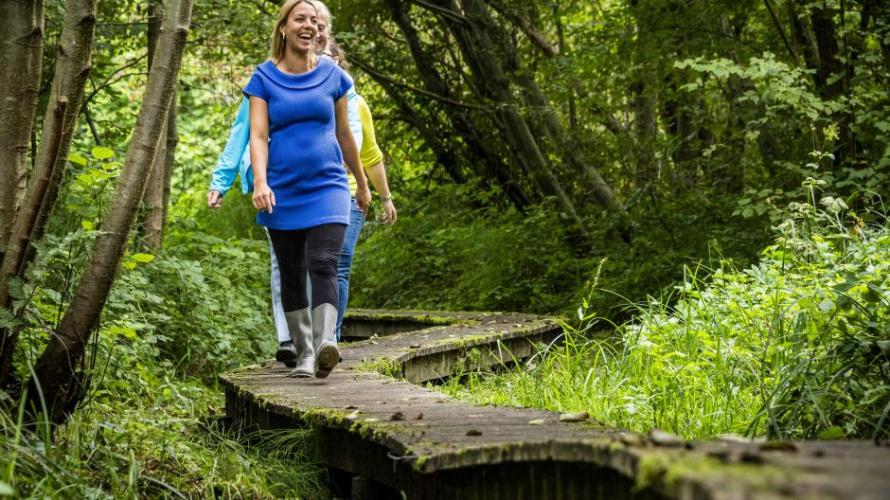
(537, 421)
(474, 432)
(735, 438)
(414, 346)
(631, 439)
(352, 407)
(397, 416)
(659, 437)
(574, 417)
(419, 416)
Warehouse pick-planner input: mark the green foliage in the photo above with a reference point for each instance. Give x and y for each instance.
(796, 346)
(450, 256)
(203, 300)
(155, 443)
(147, 427)
(446, 253)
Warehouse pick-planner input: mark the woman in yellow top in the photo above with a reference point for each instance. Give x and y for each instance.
(372, 160)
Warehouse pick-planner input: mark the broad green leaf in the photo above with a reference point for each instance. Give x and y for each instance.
(122, 331)
(78, 159)
(143, 258)
(6, 489)
(833, 432)
(102, 153)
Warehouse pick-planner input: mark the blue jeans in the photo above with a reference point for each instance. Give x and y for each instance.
(356, 221)
(278, 318)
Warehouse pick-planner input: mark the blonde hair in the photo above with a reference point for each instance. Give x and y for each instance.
(278, 43)
(324, 11)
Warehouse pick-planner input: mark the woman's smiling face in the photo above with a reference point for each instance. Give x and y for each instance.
(323, 23)
(301, 28)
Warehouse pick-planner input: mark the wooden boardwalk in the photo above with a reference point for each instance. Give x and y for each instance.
(394, 435)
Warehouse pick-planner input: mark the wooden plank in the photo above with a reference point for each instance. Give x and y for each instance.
(431, 446)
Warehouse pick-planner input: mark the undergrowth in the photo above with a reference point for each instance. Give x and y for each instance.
(160, 444)
(149, 426)
(797, 346)
(450, 254)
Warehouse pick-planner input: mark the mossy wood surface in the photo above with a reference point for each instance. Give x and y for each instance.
(429, 445)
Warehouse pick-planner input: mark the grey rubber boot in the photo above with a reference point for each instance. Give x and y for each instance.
(300, 325)
(324, 328)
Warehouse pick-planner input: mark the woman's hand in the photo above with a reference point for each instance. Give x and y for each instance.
(214, 199)
(389, 212)
(363, 198)
(263, 197)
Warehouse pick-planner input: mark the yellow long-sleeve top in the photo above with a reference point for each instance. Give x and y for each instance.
(370, 153)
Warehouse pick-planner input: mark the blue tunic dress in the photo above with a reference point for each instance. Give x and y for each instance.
(305, 169)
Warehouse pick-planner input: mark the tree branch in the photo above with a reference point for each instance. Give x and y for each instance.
(450, 14)
(92, 123)
(525, 25)
(377, 75)
(780, 30)
(111, 80)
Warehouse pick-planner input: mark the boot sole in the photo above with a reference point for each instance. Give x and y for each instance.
(296, 374)
(328, 356)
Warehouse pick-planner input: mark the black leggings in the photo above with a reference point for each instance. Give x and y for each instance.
(316, 250)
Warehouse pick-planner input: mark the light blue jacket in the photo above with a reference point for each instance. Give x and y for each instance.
(235, 158)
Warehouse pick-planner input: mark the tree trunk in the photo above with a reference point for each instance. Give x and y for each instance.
(58, 371)
(491, 163)
(150, 228)
(644, 132)
(483, 58)
(69, 78)
(804, 40)
(829, 63)
(642, 94)
(21, 56)
(556, 132)
(879, 11)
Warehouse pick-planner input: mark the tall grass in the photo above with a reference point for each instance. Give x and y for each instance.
(797, 346)
(147, 427)
(162, 445)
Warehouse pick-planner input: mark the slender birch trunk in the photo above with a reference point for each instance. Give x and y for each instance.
(72, 67)
(153, 215)
(59, 372)
(21, 48)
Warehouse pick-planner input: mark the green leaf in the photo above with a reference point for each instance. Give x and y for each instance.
(122, 331)
(6, 489)
(102, 153)
(833, 432)
(143, 258)
(78, 159)
(86, 225)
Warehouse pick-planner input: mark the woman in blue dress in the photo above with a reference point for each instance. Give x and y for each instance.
(299, 139)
